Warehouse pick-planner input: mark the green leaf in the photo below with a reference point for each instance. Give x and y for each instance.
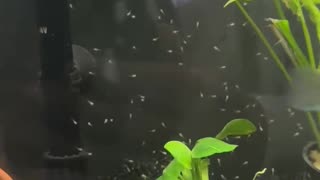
(294, 6)
(187, 174)
(237, 127)
(285, 46)
(180, 152)
(161, 178)
(314, 14)
(167, 177)
(209, 146)
(283, 27)
(172, 171)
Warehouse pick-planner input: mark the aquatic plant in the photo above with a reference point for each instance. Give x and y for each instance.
(194, 164)
(282, 30)
(259, 173)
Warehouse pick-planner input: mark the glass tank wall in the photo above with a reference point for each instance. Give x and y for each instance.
(118, 89)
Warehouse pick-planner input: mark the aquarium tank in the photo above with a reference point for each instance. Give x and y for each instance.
(160, 90)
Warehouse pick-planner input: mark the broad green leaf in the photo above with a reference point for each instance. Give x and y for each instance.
(316, 1)
(187, 174)
(167, 177)
(209, 146)
(172, 171)
(174, 168)
(237, 127)
(294, 6)
(180, 152)
(283, 27)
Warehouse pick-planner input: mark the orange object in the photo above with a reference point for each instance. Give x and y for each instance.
(4, 175)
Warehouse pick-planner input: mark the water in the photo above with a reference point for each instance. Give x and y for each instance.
(172, 70)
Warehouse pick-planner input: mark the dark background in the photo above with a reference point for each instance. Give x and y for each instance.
(177, 87)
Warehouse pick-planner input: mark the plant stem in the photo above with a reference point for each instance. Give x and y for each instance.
(195, 167)
(204, 169)
(318, 114)
(200, 169)
(308, 40)
(285, 46)
(264, 41)
(278, 6)
(314, 127)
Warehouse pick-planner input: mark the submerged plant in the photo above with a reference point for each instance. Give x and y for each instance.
(259, 173)
(193, 164)
(299, 59)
